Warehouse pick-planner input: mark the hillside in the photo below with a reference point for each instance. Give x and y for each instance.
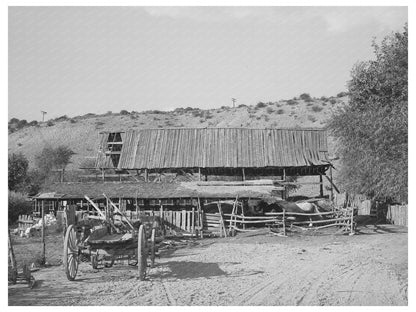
(81, 133)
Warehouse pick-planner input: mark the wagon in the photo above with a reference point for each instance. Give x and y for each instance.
(100, 240)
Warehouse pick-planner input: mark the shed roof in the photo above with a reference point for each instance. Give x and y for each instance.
(218, 148)
(151, 190)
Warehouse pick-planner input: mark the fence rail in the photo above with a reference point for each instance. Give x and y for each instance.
(397, 214)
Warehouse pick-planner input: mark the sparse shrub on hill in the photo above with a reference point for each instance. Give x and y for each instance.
(261, 105)
(242, 105)
(306, 97)
(311, 118)
(22, 123)
(124, 112)
(33, 123)
(62, 118)
(155, 111)
(342, 94)
(13, 120)
(317, 108)
(280, 111)
(197, 113)
(269, 110)
(292, 102)
(72, 120)
(88, 115)
(50, 123)
(332, 101)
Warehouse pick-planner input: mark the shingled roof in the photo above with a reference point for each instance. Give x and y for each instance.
(217, 148)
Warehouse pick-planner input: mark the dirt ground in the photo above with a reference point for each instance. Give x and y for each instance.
(369, 268)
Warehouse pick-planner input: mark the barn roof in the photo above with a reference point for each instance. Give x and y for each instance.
(217, 148)
(144, 190)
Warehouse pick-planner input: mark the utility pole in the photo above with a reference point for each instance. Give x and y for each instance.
(43, 115)
(234, 100)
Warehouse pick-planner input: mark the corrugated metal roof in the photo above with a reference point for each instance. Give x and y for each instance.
(219, 148)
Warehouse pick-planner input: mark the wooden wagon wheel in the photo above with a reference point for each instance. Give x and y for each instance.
(153, 247)
(70, 260)
(141, 253)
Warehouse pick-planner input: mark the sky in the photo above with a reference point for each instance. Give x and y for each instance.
(77, 60)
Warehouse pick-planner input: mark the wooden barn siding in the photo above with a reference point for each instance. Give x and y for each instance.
(397, 214)
(222, 147)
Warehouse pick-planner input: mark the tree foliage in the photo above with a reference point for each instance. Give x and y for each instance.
(372, 128)
(53, 158)
(18, 166)
(18, 204)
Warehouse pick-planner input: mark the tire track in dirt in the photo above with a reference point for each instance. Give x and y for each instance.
(246, 297)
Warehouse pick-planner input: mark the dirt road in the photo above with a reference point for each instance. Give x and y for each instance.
(366, 269)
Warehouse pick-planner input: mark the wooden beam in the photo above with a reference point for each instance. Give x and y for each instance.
(43, 256)
(332, 183)
(321, 186)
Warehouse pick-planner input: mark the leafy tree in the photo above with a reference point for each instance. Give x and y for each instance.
(18, 165)
(372, 129)
(18, 204)
(53, 158)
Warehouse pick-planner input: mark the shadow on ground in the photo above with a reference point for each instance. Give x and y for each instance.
(189, 270)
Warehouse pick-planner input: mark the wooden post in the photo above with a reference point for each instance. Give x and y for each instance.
(284, 222)
(332, 187)
(103, 173)
(243, 174)
(193, 221)
(12, 257)
(43, 257)
(199, 174)
(321, 186)
(352, 221)
(146, 175)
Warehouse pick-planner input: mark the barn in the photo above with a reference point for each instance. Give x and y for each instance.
(186, 169)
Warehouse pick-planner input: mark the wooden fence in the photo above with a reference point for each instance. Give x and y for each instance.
(24, 222)
(397, 214)
(182, 221)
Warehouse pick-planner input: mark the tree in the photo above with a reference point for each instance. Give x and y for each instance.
(18, 204)
(18, 165)
(371, 129)
(53, 158)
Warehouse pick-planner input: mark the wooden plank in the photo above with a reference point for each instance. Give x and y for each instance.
(193, 220)
(188, 222)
